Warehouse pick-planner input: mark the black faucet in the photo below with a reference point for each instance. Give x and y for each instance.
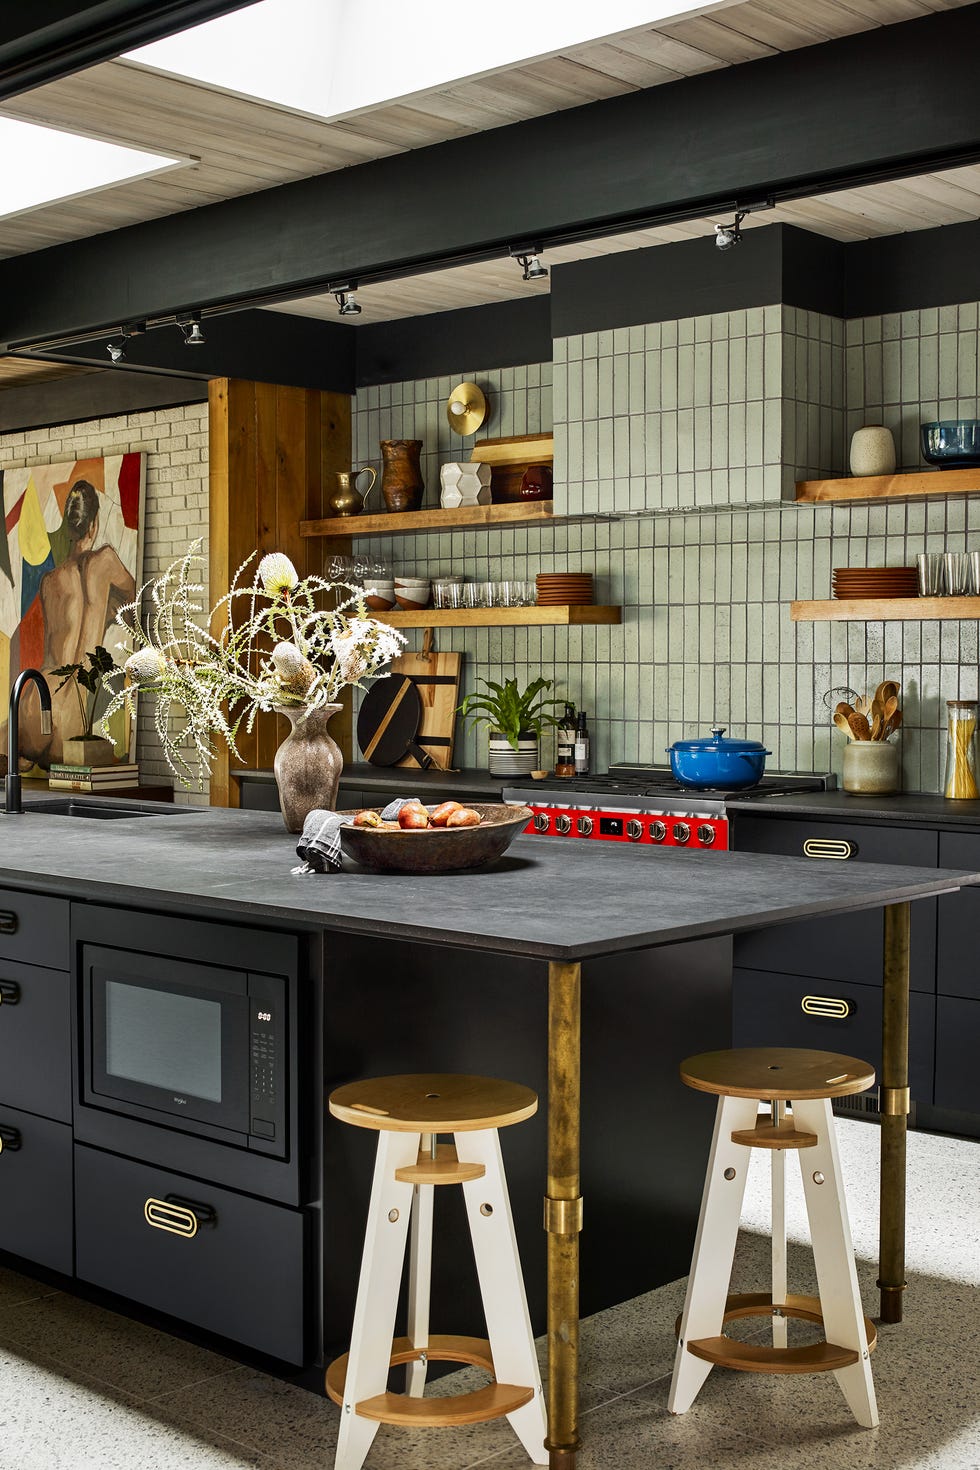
(12, 783)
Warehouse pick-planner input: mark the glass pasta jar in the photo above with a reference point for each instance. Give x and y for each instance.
(960, 781)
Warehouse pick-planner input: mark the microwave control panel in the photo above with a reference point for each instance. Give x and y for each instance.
(266, 1057)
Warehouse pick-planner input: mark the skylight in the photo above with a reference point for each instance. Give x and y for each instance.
(44, 165)
(332, 58)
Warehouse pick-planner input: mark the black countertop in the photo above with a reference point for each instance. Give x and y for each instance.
(402, 780)
(548, 900)
(921, 808)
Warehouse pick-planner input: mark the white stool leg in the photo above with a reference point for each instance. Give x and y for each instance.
(778, 1162)
(377, 1295)
(714, 1247)
(498, 1266)
(833, 1256)
(420, 1278)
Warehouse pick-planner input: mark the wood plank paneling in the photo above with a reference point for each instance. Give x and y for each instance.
(240, 144)
(271, 447)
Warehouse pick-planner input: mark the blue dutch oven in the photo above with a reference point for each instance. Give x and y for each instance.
(707, 763)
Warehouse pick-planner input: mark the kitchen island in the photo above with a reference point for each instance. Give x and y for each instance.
(555, 917)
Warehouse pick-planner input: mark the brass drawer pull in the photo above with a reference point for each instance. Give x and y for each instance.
(831, 1007)
(9, 992)
(10, 1139)
(829, 847)
(9, 922)
(178, 1216)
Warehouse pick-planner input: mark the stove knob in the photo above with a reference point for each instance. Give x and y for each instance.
(682, 832)
(563, 825)
(584, 826)
(706, 835)
(541, 821)
(658, 831)
(634, 829)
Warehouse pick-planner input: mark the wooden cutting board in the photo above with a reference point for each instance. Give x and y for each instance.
(437, 676)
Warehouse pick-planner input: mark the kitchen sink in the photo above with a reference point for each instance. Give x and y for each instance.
(70, 806)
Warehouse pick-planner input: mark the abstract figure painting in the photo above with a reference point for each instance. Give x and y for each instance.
(70, 552)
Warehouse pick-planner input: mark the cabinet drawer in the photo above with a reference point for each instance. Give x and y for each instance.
(35, 1045)
(767, 1010)
(958, 957)
(35, 1189)
(957, 1049)
(847, 946)
(34, 929)
(222, 1261)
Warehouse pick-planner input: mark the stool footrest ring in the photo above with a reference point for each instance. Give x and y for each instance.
(493, 1401)
(817, 1357)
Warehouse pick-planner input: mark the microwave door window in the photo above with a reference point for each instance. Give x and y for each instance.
(162, 1039)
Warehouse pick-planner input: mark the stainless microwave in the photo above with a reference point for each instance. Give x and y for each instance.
(191, 1046)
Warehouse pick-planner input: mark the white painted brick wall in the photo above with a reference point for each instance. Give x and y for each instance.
(175, 442)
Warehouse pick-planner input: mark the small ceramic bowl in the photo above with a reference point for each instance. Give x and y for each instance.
(412, 597)
(380, 596)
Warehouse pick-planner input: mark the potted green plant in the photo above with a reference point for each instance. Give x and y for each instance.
(86, 748)
(515, 719)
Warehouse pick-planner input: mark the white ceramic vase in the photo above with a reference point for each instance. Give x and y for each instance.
(871, 768)
(873, 451)
(504, 760)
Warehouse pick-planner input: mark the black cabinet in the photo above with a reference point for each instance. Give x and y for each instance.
(957, 1054)
(226, 1262)
(959, 922)
(848, 946)
(35, 1040)
(34, 929)
(784, 1010)
(36, 1189)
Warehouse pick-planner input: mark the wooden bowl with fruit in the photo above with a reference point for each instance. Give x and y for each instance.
(452, 837)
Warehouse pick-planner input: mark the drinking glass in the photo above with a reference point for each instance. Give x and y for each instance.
(338, 568)
(488, 594)
(974, 572)
(930, 573)
(956, 573)
(472, 594)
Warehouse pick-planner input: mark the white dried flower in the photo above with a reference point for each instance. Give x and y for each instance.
(293, 671)
(363, 646)
(145, 666)
(277, 574)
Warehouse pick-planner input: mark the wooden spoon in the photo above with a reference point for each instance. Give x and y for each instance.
(887, 690)
(876, 718)
(841, 721)
(893, 724)
(860, 707)
(844, 709)
(859, 727)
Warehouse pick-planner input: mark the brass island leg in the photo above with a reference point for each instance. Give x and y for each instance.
(563, 1209)
(894, 1110)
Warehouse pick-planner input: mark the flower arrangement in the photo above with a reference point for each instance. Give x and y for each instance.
(265, 645)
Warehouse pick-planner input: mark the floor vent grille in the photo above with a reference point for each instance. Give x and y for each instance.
(866, 1105)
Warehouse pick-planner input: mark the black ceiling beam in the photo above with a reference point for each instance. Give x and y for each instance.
(42, 40)
(876, 105)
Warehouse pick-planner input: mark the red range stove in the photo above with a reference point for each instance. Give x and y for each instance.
(643, 805)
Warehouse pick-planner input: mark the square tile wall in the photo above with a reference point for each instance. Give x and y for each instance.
(175, 441)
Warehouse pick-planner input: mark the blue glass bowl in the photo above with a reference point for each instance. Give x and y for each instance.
(951, 443)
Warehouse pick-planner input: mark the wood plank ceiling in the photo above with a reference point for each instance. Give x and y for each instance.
(243, 145)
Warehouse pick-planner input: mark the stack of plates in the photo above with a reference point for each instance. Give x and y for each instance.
(852, 582)
(564, 588)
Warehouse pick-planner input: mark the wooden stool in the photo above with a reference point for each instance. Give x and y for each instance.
(409, 1113)
(742, 1079)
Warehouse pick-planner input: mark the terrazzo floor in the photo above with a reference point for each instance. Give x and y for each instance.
(82, 1387)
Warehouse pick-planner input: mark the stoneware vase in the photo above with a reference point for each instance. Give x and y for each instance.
(401, 476)
(504, 760)
(872, 451)
(308, 764)
(870, 768)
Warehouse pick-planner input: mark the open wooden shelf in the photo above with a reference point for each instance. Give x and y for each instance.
(501, 617)
(884, 609)
(415, 522)
(892, 487)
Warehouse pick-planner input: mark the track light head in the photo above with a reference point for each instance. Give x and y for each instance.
(728, 236)
(193, 331)
(347, 303)
(528, 257)
(116, 348)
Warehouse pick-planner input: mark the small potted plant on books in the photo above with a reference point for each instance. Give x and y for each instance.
(516, 719)
(87, 748)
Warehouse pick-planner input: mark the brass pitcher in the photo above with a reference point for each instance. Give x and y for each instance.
(351, 493)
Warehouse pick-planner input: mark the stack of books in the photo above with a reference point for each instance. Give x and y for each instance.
(93, 778)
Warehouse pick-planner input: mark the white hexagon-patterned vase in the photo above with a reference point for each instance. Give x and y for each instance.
(464, 484)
